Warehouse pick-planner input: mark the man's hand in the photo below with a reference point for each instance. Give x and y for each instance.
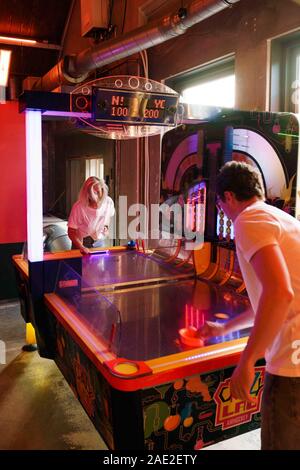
(210, 329)
(241, 382)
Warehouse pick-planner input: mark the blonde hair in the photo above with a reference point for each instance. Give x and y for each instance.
(86, 194)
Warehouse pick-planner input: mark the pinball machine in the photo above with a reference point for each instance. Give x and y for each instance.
(115, 323)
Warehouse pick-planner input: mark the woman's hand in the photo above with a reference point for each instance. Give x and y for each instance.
(84, 250)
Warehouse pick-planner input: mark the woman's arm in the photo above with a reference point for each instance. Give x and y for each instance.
(74, 237)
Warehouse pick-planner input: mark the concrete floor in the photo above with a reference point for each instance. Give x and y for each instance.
(38, 409)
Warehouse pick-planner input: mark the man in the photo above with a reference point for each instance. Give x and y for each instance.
(268, 249)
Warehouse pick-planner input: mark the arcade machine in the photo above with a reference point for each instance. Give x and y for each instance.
(124, 344)
(113, 107)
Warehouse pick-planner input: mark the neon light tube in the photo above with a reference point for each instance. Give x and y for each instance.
(17, 40)
(34, 185)
(4, 66)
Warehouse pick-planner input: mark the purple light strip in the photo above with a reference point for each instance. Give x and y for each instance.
(68, 114)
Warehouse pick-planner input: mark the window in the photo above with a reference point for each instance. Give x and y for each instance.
(293, 77)
(78, 169)
(285, 74)
(212, 85)
(218, 92)
(94, 167)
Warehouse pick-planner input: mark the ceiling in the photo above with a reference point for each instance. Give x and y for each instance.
(42, 20)
(45, 21)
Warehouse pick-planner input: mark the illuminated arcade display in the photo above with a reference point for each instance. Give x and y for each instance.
(196, 205)
(134, 107)
(225, 229)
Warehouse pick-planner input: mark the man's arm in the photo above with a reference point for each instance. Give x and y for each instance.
(73, 235)
(240, 322)
(277, 294)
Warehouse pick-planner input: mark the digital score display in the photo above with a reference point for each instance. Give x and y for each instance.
(134, 107)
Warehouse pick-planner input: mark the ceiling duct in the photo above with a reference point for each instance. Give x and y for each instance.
(75, 69)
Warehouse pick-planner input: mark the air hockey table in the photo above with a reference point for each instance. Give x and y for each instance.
(103, 269)
(123, 353)
(110, 268)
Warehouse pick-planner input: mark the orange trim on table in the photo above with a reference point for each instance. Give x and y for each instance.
(21, 264)
(163, 369)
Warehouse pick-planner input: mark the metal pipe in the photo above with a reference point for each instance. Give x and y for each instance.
(76, 68)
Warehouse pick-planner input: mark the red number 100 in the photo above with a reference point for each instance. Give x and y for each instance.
(119, 111)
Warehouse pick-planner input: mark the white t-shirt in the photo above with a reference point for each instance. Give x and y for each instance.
(90, 222)
(261, 225)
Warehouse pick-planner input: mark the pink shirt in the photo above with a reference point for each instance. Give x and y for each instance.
(90, 222)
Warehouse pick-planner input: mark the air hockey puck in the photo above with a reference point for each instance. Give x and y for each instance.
(189, 338)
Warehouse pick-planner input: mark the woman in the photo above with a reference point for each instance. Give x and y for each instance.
(90, 215)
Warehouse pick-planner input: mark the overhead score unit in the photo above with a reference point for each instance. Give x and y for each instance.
(117, 107)
(134, 107)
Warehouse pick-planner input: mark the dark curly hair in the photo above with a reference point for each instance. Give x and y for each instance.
(241, 179)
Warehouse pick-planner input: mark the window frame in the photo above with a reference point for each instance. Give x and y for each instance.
(215, 70)
(283, 73)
